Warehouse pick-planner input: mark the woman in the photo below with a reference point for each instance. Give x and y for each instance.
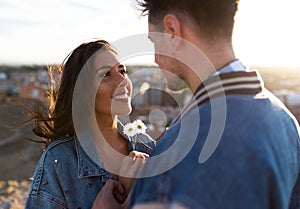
(67, 176)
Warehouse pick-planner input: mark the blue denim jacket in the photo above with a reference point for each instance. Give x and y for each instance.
(256, 164)
(65, 176)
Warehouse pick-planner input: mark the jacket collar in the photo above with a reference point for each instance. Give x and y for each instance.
(88, 167)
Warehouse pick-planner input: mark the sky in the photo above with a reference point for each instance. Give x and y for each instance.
(266, 32)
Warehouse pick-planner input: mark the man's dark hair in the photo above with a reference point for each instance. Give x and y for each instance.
(214, 18)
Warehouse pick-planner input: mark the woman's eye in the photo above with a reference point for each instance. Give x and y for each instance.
(102, 75)
(123, 72)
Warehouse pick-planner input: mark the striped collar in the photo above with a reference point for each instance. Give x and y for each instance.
(233, 66)
(229, 83)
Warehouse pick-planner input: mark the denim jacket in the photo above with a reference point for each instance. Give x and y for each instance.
(65, 176)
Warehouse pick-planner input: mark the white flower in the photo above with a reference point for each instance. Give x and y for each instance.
(130, 129)
(134, 128)
(140, 126)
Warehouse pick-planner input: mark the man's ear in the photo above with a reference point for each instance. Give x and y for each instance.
(172, 26)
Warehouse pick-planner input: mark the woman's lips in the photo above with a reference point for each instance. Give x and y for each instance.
(121, 97)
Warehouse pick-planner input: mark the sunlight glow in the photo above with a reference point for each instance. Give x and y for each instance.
(44, 32)
(266, 32)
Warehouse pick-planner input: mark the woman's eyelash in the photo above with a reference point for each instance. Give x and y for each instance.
(105, 74)
(124, 71)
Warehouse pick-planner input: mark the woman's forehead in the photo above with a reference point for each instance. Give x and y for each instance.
(105, 58)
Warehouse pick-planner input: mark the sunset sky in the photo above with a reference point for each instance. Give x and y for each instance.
(267, 32)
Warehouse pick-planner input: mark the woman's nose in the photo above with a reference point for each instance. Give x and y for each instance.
(122, 80)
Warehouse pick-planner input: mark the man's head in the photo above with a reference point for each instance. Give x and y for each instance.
(212, 18)
(194, 36)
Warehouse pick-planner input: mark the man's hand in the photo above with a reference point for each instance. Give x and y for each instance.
(111, 197)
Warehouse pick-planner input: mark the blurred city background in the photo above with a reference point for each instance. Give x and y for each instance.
(152, 102)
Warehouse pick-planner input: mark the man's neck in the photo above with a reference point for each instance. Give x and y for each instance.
(221, 58)
(218, 58)
(203, 55)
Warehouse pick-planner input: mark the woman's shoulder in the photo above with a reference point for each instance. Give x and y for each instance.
(62, 143)
(52, 162)
(56, 170)
(61, 148)
(66, 153)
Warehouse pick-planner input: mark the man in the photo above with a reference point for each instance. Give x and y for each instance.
(243, 147)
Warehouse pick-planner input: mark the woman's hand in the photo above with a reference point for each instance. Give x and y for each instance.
(131, 165)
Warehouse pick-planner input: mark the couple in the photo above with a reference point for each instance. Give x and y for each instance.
(238, 146)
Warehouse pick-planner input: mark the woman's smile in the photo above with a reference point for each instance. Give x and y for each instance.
(121, 97)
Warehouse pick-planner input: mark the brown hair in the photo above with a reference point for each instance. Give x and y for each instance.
(56, 121)
(213, 17)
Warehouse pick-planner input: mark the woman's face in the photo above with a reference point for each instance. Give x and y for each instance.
(114, 91)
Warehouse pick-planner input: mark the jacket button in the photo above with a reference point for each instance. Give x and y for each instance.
(89, 185)
(67, 192)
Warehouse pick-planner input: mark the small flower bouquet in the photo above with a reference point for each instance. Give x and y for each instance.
(133, 129)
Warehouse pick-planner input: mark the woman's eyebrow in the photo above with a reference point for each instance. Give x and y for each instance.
(105, 67)
(108, 67)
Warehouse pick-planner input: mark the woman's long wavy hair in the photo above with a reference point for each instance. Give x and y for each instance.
(56, 121)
